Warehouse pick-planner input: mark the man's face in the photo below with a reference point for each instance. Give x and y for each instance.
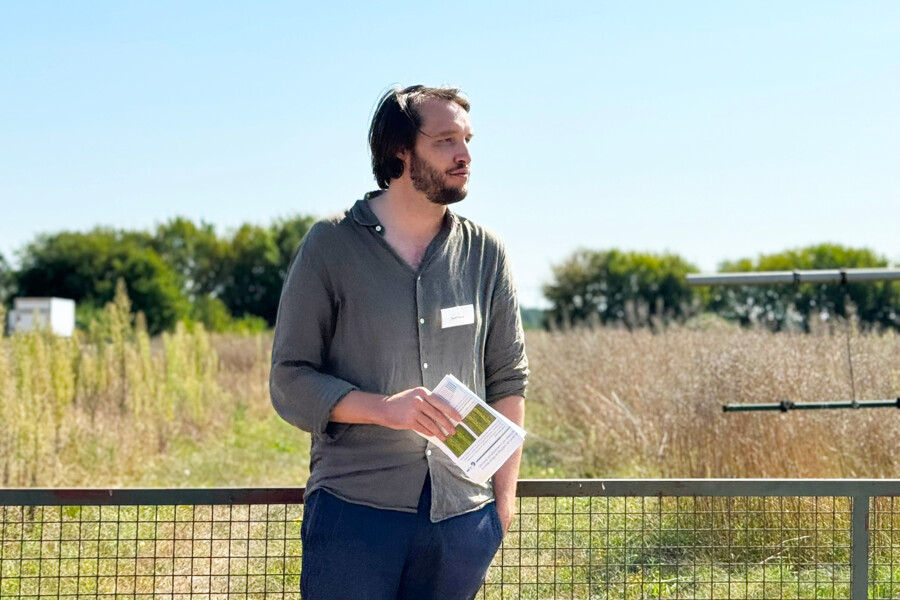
(439, 164)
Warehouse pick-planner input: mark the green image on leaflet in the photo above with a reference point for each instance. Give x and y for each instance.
(460, 441)
(478, 420)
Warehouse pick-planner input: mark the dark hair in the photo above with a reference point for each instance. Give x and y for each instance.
(395, 124)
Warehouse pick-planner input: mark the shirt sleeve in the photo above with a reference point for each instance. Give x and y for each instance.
(505, 363)
(302, 393)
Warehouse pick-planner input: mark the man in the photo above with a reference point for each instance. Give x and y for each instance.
(380, 303)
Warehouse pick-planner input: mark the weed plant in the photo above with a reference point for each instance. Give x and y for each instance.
(95, 407)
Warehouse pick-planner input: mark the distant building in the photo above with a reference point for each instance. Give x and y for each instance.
(30, 313)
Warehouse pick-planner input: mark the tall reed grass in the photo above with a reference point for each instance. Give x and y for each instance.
(95, 408)
(616, 403)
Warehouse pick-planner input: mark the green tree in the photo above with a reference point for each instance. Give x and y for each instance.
(792, 306)
(288, 233)
(86, 266)
(6, 282)
(614, 286)
(195, 253)
(257, 263)
(215, 316)
(252, 273)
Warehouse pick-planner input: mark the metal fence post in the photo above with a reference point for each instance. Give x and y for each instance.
(859, 548)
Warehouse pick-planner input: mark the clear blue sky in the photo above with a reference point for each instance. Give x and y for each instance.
(716, 130)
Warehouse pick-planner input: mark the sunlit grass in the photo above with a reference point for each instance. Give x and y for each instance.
(116, 408)
(98, 408)
(614, 403)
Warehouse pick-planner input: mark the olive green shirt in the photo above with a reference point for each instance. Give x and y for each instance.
(355, 316)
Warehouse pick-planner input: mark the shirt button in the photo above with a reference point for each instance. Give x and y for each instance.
(378, 228)
(425, 365)
(422, 321)
(428, 453)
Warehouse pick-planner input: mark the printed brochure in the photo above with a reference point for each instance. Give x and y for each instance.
(484, 439)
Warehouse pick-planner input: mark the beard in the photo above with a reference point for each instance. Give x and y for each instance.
(430, 181)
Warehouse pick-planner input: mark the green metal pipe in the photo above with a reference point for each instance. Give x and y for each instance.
(786, 405)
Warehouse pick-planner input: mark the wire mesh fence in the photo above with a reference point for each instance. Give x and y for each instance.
(571, 539)
(150, 551)
(691, 547)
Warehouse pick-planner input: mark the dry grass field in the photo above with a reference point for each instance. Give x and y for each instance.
(113, 407)
(116, 408)
(614, 403)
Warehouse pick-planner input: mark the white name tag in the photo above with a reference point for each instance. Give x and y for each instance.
(458, 315)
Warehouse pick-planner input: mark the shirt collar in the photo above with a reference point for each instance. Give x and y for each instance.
(363, 215)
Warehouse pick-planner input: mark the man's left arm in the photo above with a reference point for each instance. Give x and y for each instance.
(513, 408)
(506, 376)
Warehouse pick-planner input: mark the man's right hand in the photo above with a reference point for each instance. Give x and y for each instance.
(416, 409)
(420, 410)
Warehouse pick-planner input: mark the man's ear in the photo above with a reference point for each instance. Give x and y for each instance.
(397, 165)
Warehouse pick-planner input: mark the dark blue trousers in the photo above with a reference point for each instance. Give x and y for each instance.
(354, 552)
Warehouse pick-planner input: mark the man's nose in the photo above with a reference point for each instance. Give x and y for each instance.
(463, 156)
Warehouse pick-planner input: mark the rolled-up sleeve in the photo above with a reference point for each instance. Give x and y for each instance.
(505, 363)
(302, 393)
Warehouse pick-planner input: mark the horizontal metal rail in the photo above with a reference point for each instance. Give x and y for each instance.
(149, 496)
(527, 488)
(796, 277)
(788, 405)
